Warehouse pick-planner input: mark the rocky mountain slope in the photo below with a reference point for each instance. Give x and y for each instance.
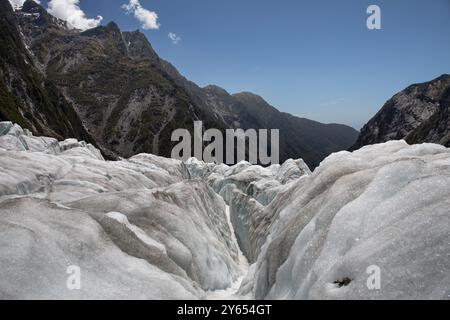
(154, 228)
(27, 97)
(115, 82)
(418, 114)
(130, 101)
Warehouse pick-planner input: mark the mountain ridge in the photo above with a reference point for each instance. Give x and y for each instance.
(130, 100)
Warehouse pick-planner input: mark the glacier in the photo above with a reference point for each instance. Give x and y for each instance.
(148, 227)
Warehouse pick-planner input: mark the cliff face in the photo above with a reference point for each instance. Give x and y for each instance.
(418, 114)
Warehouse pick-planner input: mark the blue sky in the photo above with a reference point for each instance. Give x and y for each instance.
(314, 59)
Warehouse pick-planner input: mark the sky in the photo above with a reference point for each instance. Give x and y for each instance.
(314, 59)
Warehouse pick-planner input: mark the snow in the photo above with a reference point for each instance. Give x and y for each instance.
(154, 228)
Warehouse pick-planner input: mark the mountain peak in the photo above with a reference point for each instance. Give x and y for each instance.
(250, 97)
(111, 29)
(32, 6)
(112, 26)
(138, 45)
(32, 12)
(216, 90)
(444, 77)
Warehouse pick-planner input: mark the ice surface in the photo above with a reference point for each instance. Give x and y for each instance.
(121, 218)
(39, 241)
(173, 231)
(385, 205)
(231, 292)
(154, 228)
(247, 189)
(188, 218)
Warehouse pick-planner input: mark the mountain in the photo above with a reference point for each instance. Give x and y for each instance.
(418, 114)
(115, 81)
(130, 100)
(299, 137)
(27, 96)
(148, 227)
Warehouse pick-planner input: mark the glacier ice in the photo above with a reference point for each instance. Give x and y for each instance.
(385, 205)
(154, 228)
(168, 236)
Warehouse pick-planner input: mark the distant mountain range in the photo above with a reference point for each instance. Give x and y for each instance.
(110, 88)
(418, 114)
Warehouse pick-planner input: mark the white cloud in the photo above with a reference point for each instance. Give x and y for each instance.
(70, 11)
(148, 18)
(175, 39)
(19, 3)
